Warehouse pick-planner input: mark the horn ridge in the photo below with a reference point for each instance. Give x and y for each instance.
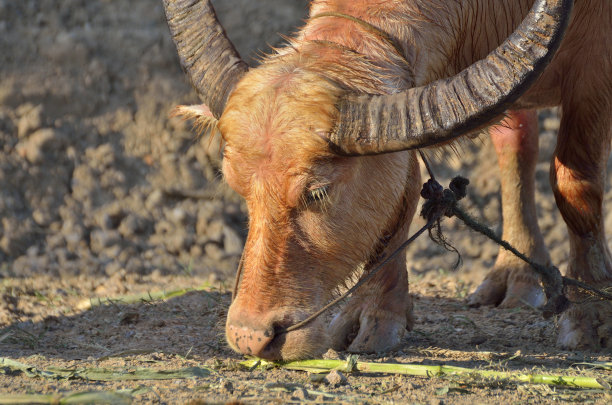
(205, 52)
(448, 108)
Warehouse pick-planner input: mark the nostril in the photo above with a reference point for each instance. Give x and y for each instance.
(280, 328)
(248, 340)
(278, 336)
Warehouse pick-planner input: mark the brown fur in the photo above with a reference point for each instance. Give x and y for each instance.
(276, 156)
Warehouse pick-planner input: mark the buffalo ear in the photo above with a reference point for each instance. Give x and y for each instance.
(192, 111)
(204, 122)
(203, 119)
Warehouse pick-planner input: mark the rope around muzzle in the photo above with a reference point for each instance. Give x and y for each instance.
(346, 294)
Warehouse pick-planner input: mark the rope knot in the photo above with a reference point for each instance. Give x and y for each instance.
(458, 186)
(432, 190)
(442, 202)
(439, 200)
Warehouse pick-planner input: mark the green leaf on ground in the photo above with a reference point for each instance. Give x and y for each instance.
(104, 374)
(93, 397)
(604, 365)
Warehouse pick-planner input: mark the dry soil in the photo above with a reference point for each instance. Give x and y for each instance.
(102, 195)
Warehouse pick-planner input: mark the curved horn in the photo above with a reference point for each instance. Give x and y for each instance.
(207, 55)
(445, 109)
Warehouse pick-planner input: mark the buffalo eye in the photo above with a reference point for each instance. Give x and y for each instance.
(317, 195)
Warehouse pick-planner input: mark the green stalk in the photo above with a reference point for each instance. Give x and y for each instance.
(321, 366)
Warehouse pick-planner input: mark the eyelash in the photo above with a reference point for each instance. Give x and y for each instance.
(317, 195)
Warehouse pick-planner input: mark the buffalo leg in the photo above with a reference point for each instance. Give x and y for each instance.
(376, 316)
(512, 282)
(578, 173)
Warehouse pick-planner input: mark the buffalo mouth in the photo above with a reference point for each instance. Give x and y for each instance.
(266, 336)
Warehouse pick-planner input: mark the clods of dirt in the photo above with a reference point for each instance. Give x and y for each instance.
(102, 195)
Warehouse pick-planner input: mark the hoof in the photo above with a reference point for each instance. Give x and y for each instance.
(368, 330)
(509, 288)
(586, 326)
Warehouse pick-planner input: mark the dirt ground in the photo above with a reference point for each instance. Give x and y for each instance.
(103, 196)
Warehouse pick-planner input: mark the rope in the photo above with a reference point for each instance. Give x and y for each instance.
(434, 212)
(554, 283)
(238, 276)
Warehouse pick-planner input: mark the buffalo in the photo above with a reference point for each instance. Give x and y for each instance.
(321, 140)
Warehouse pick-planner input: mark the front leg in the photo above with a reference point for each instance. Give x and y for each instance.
(512, 282)
(376, 317)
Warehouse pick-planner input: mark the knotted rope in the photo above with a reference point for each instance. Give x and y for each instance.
(443, 202)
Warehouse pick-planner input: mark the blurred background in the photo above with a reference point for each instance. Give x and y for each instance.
(94, 176)
(96, 179)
